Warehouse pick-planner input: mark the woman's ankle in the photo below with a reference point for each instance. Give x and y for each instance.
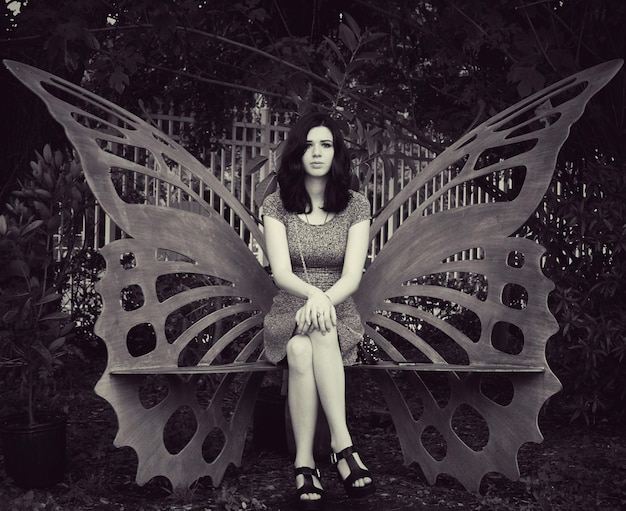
(340, 443)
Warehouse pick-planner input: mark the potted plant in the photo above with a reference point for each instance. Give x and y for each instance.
(33, 327)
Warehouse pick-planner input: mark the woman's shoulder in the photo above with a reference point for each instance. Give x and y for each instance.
(273, 206)
(358, 201)
(358, 207)
(357, 198)
(272, 199)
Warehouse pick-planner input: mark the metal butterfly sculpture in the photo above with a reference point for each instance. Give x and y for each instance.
(186, 285)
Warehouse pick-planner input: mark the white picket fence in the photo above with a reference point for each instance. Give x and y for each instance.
(259, 132)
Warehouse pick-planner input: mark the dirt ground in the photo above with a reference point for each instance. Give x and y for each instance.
(575, 468)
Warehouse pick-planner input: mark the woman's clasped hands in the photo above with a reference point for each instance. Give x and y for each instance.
(318, 313)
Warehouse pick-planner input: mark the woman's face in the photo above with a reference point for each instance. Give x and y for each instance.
(318, 157)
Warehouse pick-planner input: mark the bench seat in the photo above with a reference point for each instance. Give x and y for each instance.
(247, 367)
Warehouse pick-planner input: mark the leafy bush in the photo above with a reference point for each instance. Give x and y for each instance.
(37, 232)
(583, 228)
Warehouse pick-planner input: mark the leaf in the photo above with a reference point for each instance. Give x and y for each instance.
(57, 343)
(266, 187)
(10, 315)
(43, 194)
(335, 73)
(372, 37)
(36, 168)
(56, 316)
(31, 227)
(54, 222)
(47, 153)
(49, 298)
(118, 80)
(17, 268)
(325, 93)
(348, 37)
(354, 66)
(335, 48)
(255, 164)
(3, 225)
(366, 56)
(353, 24)
(42, 209)
(390, 168)
(43, 353)
(58, 159)
(91, 41)
(67, 328)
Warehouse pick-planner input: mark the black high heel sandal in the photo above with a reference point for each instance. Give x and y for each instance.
(356, 472)
(309, 487)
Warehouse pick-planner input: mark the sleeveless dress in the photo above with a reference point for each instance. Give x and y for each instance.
(323, 248)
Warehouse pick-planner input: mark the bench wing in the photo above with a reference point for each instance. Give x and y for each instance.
(181, 288)
(454, 286)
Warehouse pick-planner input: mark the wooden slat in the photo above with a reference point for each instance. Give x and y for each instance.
(248, 367)
(236, 367)
(448, 368)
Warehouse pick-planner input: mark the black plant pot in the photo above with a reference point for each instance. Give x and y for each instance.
(272, 428)
(268, 432)
(34, 456)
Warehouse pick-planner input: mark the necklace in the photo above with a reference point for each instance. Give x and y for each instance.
(306, 216)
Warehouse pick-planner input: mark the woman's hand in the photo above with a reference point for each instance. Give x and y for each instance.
(318, 313)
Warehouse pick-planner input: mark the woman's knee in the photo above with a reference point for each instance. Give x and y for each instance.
(299, 352)
(328, 340)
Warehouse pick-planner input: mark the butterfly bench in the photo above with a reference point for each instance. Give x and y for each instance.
(497, 385)
(460, 461)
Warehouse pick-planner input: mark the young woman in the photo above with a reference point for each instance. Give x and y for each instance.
(317, 231)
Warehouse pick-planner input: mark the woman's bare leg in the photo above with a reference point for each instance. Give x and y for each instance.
(330, 380)
(303, 404)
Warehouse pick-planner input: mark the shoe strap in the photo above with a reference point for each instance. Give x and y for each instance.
(356, 472)
(309, 485)
(345, 454)
(308, 471)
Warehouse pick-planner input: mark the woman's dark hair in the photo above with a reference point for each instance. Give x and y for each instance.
(291, 172)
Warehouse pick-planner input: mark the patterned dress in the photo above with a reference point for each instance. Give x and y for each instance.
(323, 249)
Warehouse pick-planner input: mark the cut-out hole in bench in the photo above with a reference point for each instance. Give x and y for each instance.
(515, 259)
(213, 445)
(185, 317)
(132, 297)
(507, 338)
(128, 261)
(443, 344)
(153, 390)
(141, 340)
(179, 429)
(236, 385)
(473, 284)
(515, 296)
(471, 427)
(172, 284)
(164, 254)
(497, 388)
(195, 349)
(434, 443)
(438, 384)
(416, 405)
(205, 389)
(409, 386)
(92, 104)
